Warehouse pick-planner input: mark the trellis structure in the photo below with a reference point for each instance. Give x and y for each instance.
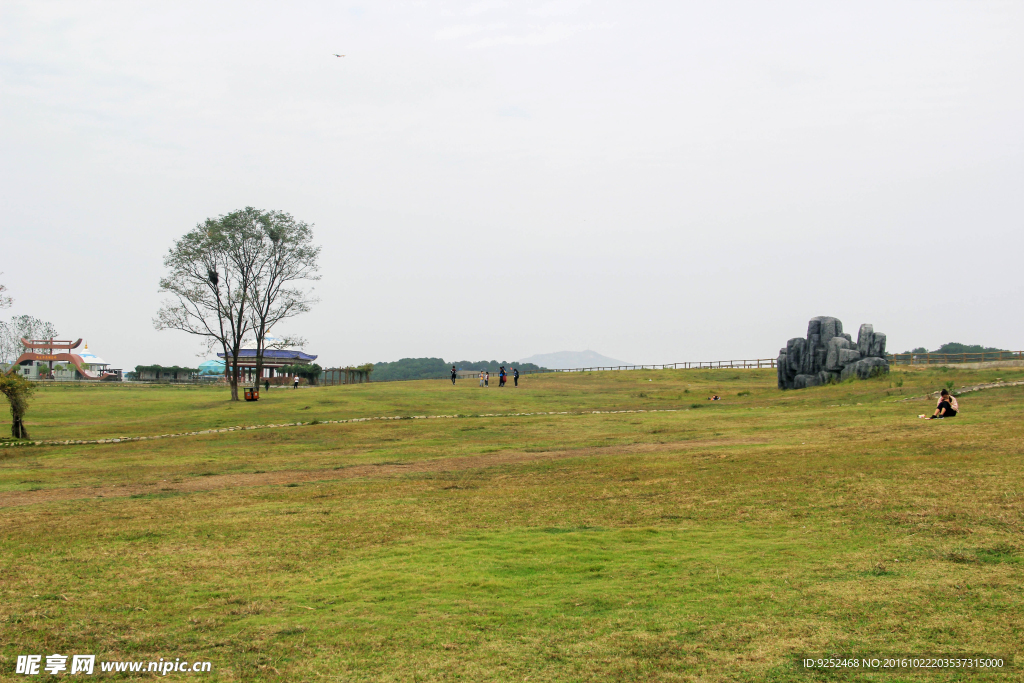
(349, 375)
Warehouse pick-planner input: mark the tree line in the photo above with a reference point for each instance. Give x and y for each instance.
(438, 368)
(956, 347)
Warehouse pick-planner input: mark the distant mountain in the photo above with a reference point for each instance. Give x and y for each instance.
(572, 359)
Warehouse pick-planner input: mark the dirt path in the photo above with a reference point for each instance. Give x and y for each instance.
(282, 477)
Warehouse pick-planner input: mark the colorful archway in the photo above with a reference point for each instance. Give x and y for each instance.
(44, 350)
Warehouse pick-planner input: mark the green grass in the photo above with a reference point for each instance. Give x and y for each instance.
(704, 544)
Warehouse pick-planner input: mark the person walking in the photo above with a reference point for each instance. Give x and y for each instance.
(454, 372)
(501, 377)
(515, 376)
(487, 378)
(266, 384)
(296, 384)
(481, 378)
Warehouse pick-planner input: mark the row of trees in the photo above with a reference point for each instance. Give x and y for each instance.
(310, 373)
(177, 371)
(956, 347)
(438, 368)
(233, 278)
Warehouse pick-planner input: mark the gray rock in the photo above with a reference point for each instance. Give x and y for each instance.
(877, 345)
(830, 327)
(832, 360)
(847, 356)
(864, 339)
(820, 354)
(825, 377)
(814, 326)
(865, 368)
(804, 381)
(829, 354)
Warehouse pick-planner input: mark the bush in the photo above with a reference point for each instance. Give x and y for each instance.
(17, 389)
(310, 373)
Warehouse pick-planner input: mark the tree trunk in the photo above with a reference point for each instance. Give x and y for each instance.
(259, 362)
(234, 380)
(18, 430)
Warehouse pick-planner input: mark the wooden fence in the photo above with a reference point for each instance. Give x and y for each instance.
(951, 358)
(694, 365)
(752, 364)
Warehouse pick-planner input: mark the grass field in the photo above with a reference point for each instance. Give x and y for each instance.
(708, 543)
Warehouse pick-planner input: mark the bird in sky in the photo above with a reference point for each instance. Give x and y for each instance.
(339, 55)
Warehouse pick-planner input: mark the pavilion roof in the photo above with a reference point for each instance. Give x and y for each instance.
(276, 354)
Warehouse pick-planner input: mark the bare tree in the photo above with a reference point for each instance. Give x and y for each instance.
(10, 347)
(211, 273)
(22, 327)
(288, 259)
(5, 300)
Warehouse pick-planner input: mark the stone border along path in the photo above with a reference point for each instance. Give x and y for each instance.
(963, 390)
(125, 439)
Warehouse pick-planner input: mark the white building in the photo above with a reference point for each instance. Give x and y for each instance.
(63, 370)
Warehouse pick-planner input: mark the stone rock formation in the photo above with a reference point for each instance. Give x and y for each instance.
(828, 355)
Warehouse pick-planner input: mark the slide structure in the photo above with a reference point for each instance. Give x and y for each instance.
(51, 345)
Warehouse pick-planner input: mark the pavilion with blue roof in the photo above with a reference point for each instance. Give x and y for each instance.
(272, 360)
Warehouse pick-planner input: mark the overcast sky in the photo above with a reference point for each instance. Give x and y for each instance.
(657, 181)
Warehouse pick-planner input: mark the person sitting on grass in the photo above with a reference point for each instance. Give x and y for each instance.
(714, 397)
(947, 407)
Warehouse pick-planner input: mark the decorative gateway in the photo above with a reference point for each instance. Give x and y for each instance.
(829, 355)
(46, 350)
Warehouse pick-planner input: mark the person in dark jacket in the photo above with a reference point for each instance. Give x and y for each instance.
(948, 407)
(515, 376)
(454, 373)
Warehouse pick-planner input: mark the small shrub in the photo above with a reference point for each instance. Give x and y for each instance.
(961, 556)
(950, 385)
(899, 381)
(246, 610)
(743, 393)
(696, 405)
(879, 569)
(1002, 552)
